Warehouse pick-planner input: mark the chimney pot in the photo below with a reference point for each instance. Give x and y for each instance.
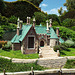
(57, 31)
(34, 22)
(18, 22)
(21, 24)
(29, 19)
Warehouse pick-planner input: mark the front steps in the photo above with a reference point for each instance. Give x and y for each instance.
(48, 52)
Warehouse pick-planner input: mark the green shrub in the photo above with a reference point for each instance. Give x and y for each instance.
(60, 47)
(57, 47)
(7, 46)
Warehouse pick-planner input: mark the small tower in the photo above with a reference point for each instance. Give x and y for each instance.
(47, 26)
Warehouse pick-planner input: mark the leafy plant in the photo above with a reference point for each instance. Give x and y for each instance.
(13, 19)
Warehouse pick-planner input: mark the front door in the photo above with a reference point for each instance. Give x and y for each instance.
(42, 44)
(30, 42)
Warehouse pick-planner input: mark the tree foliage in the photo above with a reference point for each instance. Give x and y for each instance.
(60, 11)
(40, 17)
(66, 33)
(1, 32)
(69, 14)
(35, 2)
(20, 9)
(2, 5)
(70, 4)
(54, 17)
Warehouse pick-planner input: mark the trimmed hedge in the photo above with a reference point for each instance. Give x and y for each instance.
(20, 9)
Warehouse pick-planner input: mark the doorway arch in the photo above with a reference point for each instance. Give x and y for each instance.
(41, 43)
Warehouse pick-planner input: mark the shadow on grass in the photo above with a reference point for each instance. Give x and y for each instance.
(8, 50)
(63, 53)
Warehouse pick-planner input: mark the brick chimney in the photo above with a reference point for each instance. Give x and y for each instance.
(27, 20)
(21, 22)
(34, 22)
(47, 26)
(57, 31)
(50, 22)
(18, 22)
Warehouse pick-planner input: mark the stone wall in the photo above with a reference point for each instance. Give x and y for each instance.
(16, 46)
(52, 62)
(45, 72)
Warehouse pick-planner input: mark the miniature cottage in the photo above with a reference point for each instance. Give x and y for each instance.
(29, 37)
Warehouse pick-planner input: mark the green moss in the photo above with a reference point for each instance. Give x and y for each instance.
(17, 54)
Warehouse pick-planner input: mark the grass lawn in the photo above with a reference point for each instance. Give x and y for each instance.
(70, 64)
(68, 52)
(17, 67)
(17, 54)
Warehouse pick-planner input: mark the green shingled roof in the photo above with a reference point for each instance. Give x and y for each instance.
(42, 30)
(53, 35)
(38, 29)
(23, 32)
(61, 40)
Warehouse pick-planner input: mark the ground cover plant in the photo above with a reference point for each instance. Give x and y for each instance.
(70, 64)
(17, 54)
(17, 67)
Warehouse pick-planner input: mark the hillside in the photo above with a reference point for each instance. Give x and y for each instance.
(20, 9)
